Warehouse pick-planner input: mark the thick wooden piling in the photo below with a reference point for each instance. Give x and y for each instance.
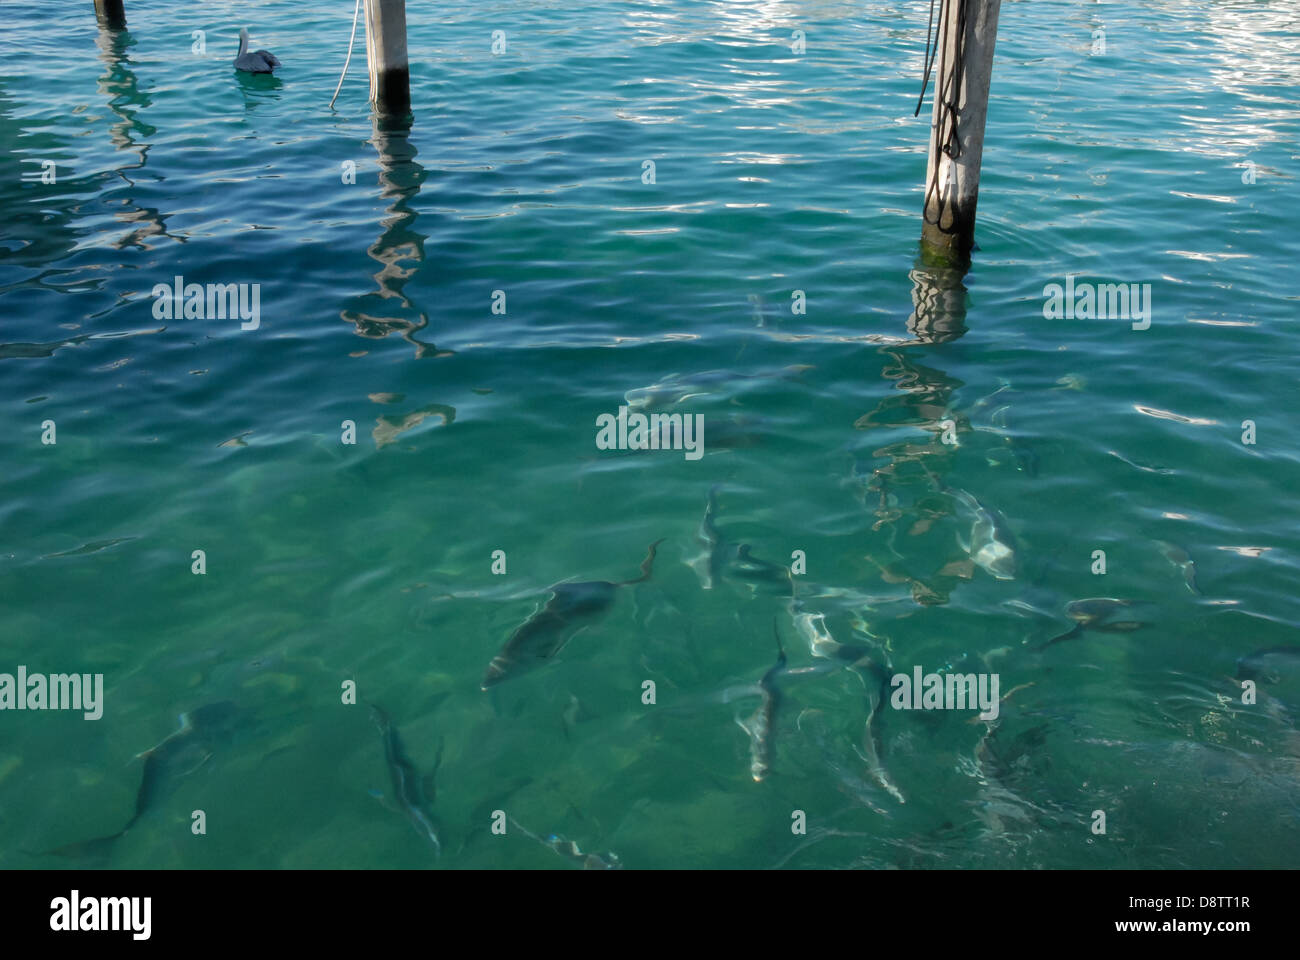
(111, 14)
(964, 62)
(390, 76)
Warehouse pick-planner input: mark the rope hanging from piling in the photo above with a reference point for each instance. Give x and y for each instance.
(929, 60)
(355, 11)
(946, 139)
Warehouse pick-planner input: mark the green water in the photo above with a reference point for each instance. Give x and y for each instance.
(522, 172)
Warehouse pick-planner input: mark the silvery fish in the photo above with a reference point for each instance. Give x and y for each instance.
(1179, 558)
(760, 726)
(812, 626)
(869, 667)
(675, 388)
(1018, 446)
(1095, 613)
(412, 794)
(992, 545)
(722, 559)
(711, 563)
(813, 725)
(572, 607)
(878, 694)
(757, 572)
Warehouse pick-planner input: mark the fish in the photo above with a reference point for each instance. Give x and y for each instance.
(872, 742)
(177, 755)
(93, 547)
(723, 559)
(572, 713)
(1022, 451)
(739, 431)
(570, 850)
(760, 726)
(1270, 665)
(713, 561)
(1094, 611)
(1170, 415)
(996, 801)
(571, 607)
(813, 725)
(675, 388)
(1022, 454)
(1179, 558)
(987, 401)
(869, 666)
(413, 794)
(1093, 614)
(992, 546)
(1144, 467)
(1011, 758)
(760, 573)
(822, 644)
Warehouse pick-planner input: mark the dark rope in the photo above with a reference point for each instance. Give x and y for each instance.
(929, 60)
(946, 137)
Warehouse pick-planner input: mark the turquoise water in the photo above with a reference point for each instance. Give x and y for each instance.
(824, 433)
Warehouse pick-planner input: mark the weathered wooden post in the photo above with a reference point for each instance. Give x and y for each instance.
(110, 14)
(390, 76)
(967, 32)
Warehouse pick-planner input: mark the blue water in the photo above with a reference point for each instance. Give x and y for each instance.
(371, 563)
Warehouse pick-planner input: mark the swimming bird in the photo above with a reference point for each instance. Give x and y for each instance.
(259, 61)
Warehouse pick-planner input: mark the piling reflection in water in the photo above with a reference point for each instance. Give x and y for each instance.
(124, 97)
(938, 299)
(400, 248)
(923, 400)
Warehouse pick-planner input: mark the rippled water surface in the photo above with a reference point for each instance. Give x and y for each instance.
(524, 172)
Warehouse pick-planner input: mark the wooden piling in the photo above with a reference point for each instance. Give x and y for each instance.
(390, 76)
(967, 33)
(111, 14)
